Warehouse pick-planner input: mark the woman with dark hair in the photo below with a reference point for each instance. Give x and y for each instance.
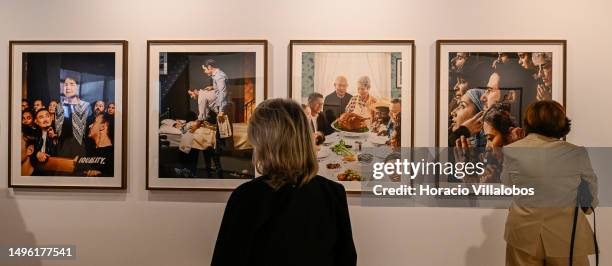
(499, 126)
(27, 118)
(71, 120)
(548, 228)
(53, 110)
(500, 129)
(289, 215)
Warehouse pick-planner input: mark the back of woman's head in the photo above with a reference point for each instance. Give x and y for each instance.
(284, 148)
(547, 118)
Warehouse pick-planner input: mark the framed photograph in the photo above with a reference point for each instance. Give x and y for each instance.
(68, 111)
(201, 95)
(492, 81)
(349, 90)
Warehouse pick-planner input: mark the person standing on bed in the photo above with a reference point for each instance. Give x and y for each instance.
(212, 102)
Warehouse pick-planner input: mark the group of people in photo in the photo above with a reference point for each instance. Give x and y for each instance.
(69, 136)
(381, 116)
(489, 95)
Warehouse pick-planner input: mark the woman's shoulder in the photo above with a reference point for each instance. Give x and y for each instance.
(257, 186)
(252, 188)
(254, 184)
(537, 140)
(327, 185)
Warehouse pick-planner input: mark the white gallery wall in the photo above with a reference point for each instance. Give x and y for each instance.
(138, 227)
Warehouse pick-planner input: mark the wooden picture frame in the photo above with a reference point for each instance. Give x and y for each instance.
(102, 65)
(348, 58)
(498, 68)
(246, 64)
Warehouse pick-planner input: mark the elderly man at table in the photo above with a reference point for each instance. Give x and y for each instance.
(335, 103)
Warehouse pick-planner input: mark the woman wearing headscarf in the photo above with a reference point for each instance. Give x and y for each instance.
(466, 119)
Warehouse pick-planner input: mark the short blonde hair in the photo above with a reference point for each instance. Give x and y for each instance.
(284, 147)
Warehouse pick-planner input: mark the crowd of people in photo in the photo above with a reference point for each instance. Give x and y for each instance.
(491, 93)
(381, 116)
(68, 136)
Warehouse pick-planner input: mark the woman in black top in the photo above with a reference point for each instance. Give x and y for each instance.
(289, 215)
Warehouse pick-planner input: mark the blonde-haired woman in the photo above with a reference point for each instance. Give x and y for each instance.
(289, 215)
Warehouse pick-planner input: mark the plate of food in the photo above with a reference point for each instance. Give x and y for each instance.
(342, 149)
(351, 125)
(349, 175)
(365, 158)
(333, 166)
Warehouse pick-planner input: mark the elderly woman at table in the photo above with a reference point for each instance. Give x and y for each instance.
(362, 104)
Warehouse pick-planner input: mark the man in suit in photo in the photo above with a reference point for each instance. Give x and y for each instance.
(318, 119)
